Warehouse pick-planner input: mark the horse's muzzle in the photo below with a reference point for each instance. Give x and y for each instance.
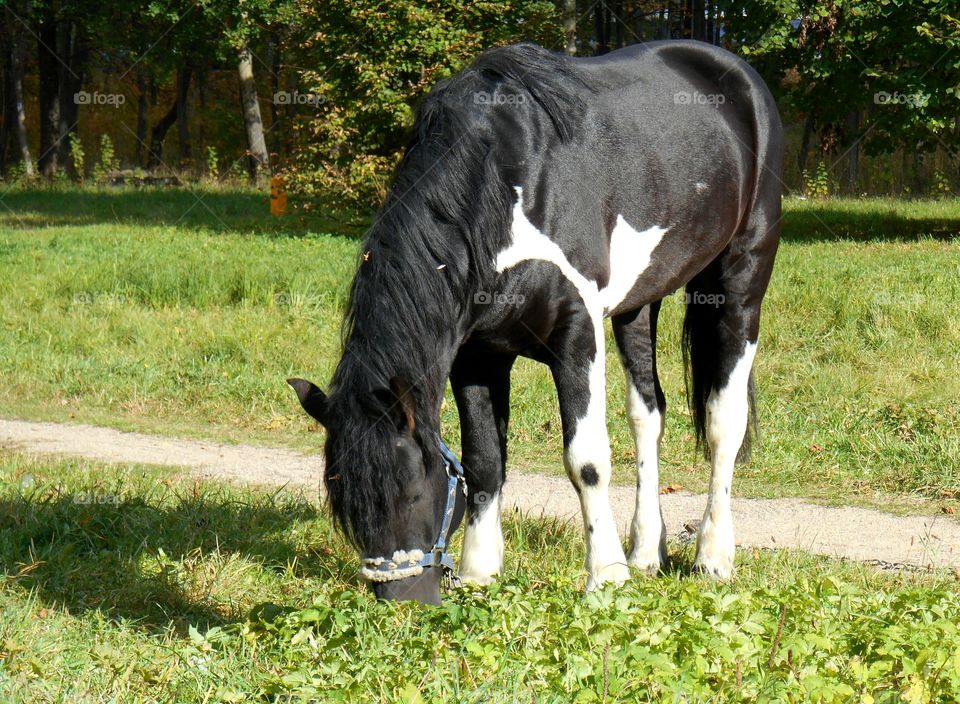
(424, 587)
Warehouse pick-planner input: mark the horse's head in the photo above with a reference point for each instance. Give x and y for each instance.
(389, 487)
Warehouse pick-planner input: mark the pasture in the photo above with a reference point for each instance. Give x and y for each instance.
(140, 584)
(181, 312)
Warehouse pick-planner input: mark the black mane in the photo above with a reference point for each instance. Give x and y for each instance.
(432, 245)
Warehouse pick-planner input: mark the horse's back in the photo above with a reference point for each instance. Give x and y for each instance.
(675, 136)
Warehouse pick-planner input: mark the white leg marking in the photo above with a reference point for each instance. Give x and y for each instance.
(648, 534)
(482, 557)
(590, 447)
(630, 252)
(726, 426)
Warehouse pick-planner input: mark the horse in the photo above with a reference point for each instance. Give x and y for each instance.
(538, 195)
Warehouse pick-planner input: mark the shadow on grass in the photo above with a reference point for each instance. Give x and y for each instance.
(213, 209)
(156, 561)
(247, 211)
(870, 221)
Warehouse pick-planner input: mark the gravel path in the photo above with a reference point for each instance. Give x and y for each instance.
(854, 533)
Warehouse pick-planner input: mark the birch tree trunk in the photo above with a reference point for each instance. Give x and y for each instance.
(259, 160)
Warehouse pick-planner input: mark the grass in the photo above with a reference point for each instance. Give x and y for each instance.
(131, 583)
(181, 312)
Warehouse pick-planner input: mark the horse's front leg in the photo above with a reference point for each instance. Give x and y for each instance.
(481, 386)
(579, 371)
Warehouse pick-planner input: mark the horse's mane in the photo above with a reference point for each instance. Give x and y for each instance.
(431, 246)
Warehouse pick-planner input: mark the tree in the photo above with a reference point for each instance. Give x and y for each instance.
(259, 161)
(876, 74)
(14, 110)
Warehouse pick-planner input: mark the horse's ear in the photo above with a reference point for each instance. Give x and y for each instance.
(404, 396)
(311, 398)
(396, 402)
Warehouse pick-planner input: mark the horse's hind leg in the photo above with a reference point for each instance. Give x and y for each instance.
(580, 376)
(636, 335)
(481, 386)
(721, 329)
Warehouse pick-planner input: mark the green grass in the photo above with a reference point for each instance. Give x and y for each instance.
(131, 583)
(182, 312)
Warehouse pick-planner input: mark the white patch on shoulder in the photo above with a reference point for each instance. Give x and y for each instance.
(630, 254)
(701, 187)
(529, 243)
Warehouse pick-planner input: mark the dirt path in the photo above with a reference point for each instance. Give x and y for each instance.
(854, 533)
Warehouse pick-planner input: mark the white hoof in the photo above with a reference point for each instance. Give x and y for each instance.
(649, 556)
(478, 580)
(715, 547)
(647, 564)
(714, 563)
(617, 573)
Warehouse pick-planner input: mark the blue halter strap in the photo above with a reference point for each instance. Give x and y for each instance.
(409, 563)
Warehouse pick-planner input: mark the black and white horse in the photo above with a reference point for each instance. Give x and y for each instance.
(540, 194)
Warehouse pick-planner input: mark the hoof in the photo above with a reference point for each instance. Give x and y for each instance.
(611, 574)
(648, 568)
(716, 569)
(649, 563)
(474, 580)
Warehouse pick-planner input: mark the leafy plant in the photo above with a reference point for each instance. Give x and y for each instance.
(819, 184)
(77, 156)
(213, 163)
(108, 162)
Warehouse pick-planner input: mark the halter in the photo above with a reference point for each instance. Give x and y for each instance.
(409, 563)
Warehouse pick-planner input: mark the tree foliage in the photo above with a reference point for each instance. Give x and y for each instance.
(336, 83)
(368, 65)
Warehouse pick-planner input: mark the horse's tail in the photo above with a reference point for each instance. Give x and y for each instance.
(701, 341)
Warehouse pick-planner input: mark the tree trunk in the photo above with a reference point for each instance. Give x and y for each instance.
(616, 17)
(600, 23)
(710, 19)
(804, 144)
(158, 135)
(48, 66)
(570, 26)
(259, 159)
(70, 52)
(183, 115)
(853, 129)
(15, 120)
(142, 107)
(638, 20)
(698, 20)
